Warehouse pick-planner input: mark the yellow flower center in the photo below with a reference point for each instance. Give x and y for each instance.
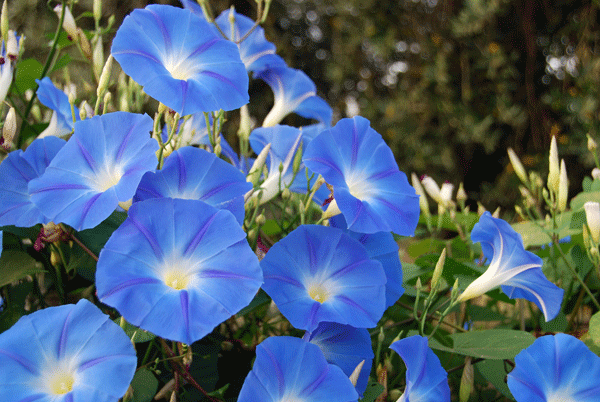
(176, 279)
(318, 293)
(59, 381)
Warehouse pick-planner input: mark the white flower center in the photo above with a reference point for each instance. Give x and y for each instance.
(176, 279)
(359, 186)
(318, 292)
(182, 68)
(108, 177)
(561, 395)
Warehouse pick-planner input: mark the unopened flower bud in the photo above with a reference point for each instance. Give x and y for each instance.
(592, 215)
(97, 10)
(423, 203)
(496, 213)
(591, 144)
(446, 193)
(480, 208)
(12, 46)
(246, 123)
(297, 159)
(518, 166)
(467, 381)
(461, 194)
(595, 173)
(98, 58)
(563, 187)
(260, 220)
(553, 167)
(9, 129)
(257, 166)
(69, 24)
(106, 101)
(285, 193)
(4, 21)
(519, 212)
(84, 43)
(432, 188)
(586, 236)
(595, 253)
(439, 268)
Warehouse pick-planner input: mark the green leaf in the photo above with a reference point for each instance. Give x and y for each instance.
(15, 265)
(144, 385)
(534, 235)
(96, 238)
(373, 390)
(487, 344)
(28, 71)
(494, 372)
(271, 228)
(558, 324)
(261, 298)
(16, 305)
(581, 198)
(137, 335)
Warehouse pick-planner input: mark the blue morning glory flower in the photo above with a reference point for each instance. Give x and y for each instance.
(180, 60)
(58, 101)
(426, 379)
(517, 271)
(369, 190)
(319, 273)
(16, 171)
(183, 268)
(193, 173)
(290, 369)
(346, 347)
(256, 52)
(382, 247)
(285, 142)
(556, 368)
(67, 353)
(100, 166)
(293, 92)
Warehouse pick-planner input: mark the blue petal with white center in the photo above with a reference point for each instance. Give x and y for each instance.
(319, 273)
(382, 247)
(293, 92)
(58, 101)
(426, 379)
(100, 166)
(180, 60)
(516, 270)
(16, 171)
(184, 267)
(66, 353)
(289, 369)
(369, 190)
(193, 173)
(346, 347)
(556, 368)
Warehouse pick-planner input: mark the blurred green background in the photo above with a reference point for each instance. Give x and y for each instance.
(450, 84)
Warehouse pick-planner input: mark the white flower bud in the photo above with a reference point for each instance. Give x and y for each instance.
(69, 24)
(432, 188)
(517, 166)
(461, 194)
(563, 187)
(554, 167)
(98, 58)
(446, 193)
(97, 10)
(591, 144)
(4, 21)
(416, 183)
(437, 272)
(592, 215)
(9, 129)
(12, 46)
(595, 173)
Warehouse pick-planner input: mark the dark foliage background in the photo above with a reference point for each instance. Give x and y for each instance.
(450, 84)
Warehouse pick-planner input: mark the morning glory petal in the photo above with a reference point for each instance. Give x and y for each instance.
(184, 267)
(70, 352)
(256, 52)
(100, 166)
(16, 171)
(369, 190)
(291, 369)
(518, 271)
(293, 92)
(193, 173)
(180, 60)
(319, 273)
(346, 347)
(382, 247)
(58, 101)
(556, 368)
(426, 379)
